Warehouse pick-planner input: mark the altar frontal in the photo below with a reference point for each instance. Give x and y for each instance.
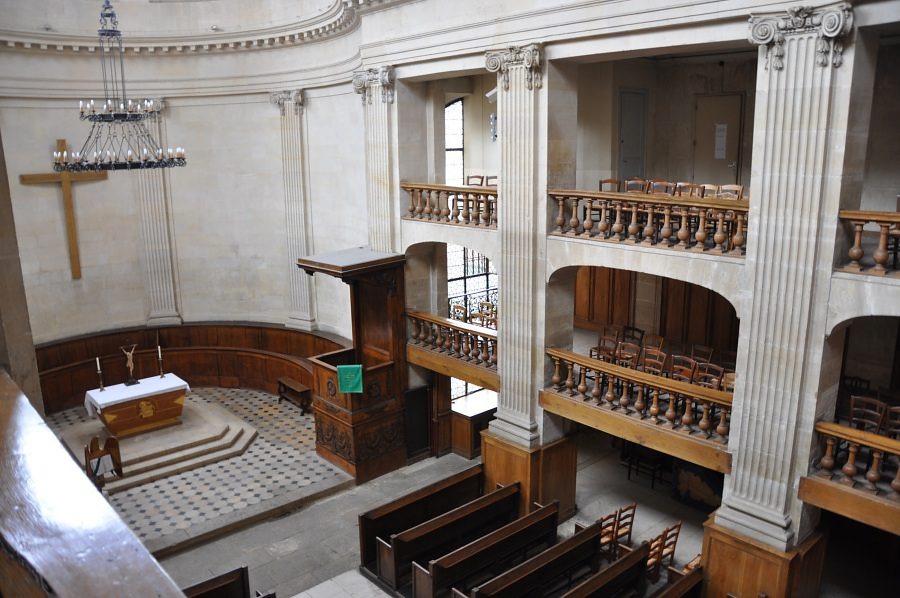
(125, 410)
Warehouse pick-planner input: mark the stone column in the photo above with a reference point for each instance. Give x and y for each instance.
(302, 314)
(158, 255)
(376, 87)
(803, 95)
(519, 72)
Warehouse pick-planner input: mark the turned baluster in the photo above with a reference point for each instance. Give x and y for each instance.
(588, 218)
(618, 226)
(856, 252)
(666, 231)
(633, 227)
(650, 228)
(849, 469)
(456, 335)
(610, 390)
(654, 406)
(826, 463)
(485, 211)
(454, 213)
(418, 211)
(465, 209)
(895, 484)
(596, 392)
(429, 337)
(412, 202)
(687, 419)
(493, 200)
(670, 412)
(738, 238)
(603, 227)
(448, 341)
(573, 221)
(476, 351)
(881, 254)
(625, 399)
(704, 423)
(582, 383)
(423, 333)
(684, 229)
(560, 216)
(466, 346)
(719, 238)
(439, 339)
(494, 353)
(416, 327)
(555, 379)
(639, 404)
(700, 235)
(427, 209)
(444, 203)
(874, 473)
(570, 381)
(722, 428)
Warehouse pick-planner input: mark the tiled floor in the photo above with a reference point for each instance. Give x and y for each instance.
(280, 461)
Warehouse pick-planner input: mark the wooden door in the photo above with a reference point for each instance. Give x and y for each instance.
(632, 132)
(717, 138)
(603, 296)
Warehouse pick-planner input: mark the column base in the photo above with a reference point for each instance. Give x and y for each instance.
(751, 523)
(164, 320)
(545, 473)
(299, 322)
(735, 564)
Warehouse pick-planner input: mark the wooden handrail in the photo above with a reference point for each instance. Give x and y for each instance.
(719, 397)
(455, 324)
(456, 189)
(450, 204)
(889, 226)
(736, 205)
(861, 437)
(870, 216)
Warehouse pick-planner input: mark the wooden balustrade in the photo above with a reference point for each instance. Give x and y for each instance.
(687, 223)
(474, 344)
(671, 404)
(469, 206)
(884, 258)
(872, 473)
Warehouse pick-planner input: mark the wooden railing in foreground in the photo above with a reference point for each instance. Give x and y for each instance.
(888, 233)
(866, 487)
(680, 419)
(686, 223)
(470, 206)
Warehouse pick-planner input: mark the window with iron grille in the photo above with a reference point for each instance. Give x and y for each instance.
(453, 143)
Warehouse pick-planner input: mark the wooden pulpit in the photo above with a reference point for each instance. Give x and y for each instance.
(362, 433)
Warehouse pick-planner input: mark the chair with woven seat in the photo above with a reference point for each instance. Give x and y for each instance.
(654, 361)
(609, 531)
(606, 348)
(728, 381)
(624, 523)
(628, 354)
(653, 341)
(730, 192)
(867, 413)
(701, 353)
(633, 334)
(709, 375)
(891, 427)
(683, 368)
(662, 551)
(490, 180)
(609, 185)
(475, 179)
(661, 186)
(636, 185)
(689, 190)
(459, 312)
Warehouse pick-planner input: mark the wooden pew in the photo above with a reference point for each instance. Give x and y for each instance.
(544, 572)
(533, 531)
(445, 533)
(413, 509)
(628, 572)
(233, 584)
(682, 585)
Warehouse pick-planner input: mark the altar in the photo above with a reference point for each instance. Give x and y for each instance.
(156, 402)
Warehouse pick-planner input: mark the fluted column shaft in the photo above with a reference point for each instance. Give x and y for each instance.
(158, 255)
(802, 103)
(302, 312)
(376, 86)
(518, 81)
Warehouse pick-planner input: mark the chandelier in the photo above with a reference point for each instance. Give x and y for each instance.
(119, 139)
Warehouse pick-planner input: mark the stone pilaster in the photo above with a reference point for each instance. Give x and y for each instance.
(798, 139)
(519, 79)
(302, 312)
(158, 255)
(376, 87)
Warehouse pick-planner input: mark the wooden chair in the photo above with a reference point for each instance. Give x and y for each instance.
(867, 414)
(97, 456)
(850, 386)
(701, 353)
(609, 185)
(490, 322)
(633, 334)
(661, 186)
(662, 551)
(689, 190)
(654, 361)
(625, 522)
(636, 185)
(709, 189)
(683, 368)
(490, 180)
(486, 309)
(730, 192)
(475, 179)
(606, 348)
(892, 423)
(459, 312)
(728, 381)
(628, 354)
(709, 375)
(653, 341)
(609, 536)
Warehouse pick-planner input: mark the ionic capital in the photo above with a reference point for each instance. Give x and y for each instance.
(282, 98)
(829, 25)
(363, 81)
(529, 57)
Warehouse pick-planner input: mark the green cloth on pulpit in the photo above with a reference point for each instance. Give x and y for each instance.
(349, 378)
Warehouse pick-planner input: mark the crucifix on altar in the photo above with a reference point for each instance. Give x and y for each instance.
(66, 179)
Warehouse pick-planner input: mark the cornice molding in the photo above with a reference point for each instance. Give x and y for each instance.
(530, 57)
(363, 81)
(293, 96)
(343, 16)
(829, 24)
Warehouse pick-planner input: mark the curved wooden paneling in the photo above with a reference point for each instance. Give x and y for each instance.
(202, 354)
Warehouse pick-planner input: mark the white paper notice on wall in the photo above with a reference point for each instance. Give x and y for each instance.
(721, 139)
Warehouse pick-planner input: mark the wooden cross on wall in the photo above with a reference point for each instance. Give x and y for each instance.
(66, 179)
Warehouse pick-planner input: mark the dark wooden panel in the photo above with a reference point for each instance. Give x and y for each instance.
(621, 299)
(697, 312)
(583, 294)
(601, 284)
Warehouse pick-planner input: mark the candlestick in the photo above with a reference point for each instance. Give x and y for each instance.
(100, 375)
(161, 374)
(158, 352)
(98, 363)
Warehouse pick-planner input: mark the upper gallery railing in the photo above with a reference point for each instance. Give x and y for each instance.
(885, 258)
(659, 400)
(469, 206)
(474, 344)
(717, 225)
(878, 472)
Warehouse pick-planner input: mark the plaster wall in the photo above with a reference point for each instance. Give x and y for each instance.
(482, 155)
(881, 184)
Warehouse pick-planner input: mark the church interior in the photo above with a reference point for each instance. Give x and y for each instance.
(613, 308)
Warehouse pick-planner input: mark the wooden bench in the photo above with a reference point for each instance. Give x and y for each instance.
(296, 392)
(414, 508)
(445, 533)
(232, 584)
(493, 552)
(548, 571)
(682, 585)
(627, 573)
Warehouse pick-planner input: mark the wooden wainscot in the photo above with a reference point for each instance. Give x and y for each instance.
(363, 433)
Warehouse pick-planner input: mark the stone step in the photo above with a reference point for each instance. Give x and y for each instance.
(230, 436)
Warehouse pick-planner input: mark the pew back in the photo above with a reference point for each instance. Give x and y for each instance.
(542, 572)
(537, 529)
(682, 585)
(446, 532)
(414, 508)
(625, 573)
(233, 584)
